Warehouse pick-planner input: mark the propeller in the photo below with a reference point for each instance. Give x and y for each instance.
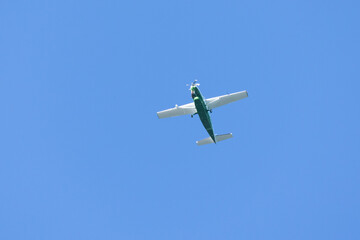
(194, 83)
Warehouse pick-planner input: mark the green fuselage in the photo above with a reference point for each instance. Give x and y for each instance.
(202, 111)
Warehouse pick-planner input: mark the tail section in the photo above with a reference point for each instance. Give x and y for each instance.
(218, 138)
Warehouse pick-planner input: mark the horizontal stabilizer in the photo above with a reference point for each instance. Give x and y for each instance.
(218, 138)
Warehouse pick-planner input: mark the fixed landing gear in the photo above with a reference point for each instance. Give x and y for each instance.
(192, 115)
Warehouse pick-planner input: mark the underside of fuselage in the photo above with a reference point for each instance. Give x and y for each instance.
(202, 111)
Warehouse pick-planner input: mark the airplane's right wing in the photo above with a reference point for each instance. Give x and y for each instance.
(225, 99)
(178, 111)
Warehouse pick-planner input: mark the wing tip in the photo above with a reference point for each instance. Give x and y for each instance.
(158, 115)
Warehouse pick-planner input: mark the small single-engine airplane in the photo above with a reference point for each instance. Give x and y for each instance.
(202, 107)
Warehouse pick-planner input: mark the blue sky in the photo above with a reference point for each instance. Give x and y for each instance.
(84, 156)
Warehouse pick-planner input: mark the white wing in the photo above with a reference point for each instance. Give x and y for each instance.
(225, 99)
(178, 111)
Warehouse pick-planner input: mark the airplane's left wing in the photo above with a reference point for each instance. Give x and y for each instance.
(178, 111)
(225, 99)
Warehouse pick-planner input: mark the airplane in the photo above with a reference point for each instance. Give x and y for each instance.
(202, 107)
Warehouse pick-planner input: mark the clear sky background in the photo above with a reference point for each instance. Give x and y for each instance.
(84, 156)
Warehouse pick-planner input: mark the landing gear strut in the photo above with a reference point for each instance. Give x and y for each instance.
(192, 115)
